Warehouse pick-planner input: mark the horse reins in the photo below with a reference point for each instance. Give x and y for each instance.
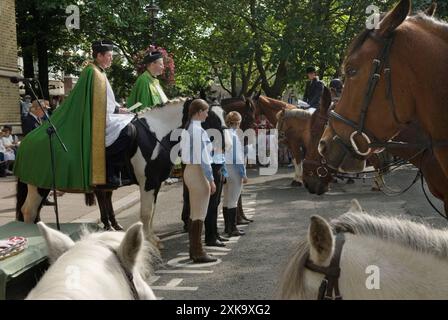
(329, 287)
(128, 275)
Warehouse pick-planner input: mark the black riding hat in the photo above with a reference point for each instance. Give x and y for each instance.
(152, 56)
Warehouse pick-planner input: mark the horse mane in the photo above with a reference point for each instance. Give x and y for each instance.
(431, 22)
(417, 236)
(148, 257)
(228, 101)
(420, 17)
(294, 113)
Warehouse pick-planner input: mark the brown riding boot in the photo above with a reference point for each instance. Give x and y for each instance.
(241, 217)
(197, 254)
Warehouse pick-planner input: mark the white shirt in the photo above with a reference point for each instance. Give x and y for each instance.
(115, 122)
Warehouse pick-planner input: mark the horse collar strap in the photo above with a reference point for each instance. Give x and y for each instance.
(129, 276)
(332, 273)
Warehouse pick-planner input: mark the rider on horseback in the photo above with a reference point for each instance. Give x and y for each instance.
(91, 125)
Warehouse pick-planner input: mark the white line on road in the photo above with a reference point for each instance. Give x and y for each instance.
(212, 253)
(174, 288)
(174, 282)
(183, 271)
(174, 236)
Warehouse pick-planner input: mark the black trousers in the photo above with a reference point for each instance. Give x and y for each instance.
(117, 154)
(211, 219)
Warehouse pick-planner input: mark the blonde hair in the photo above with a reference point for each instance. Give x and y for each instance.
(233, 119)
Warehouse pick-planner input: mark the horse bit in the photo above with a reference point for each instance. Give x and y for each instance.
(330, 284)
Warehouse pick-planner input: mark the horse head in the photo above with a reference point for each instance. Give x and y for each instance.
(316, 174)
(108, 265)
(368, 109)
(360, 256)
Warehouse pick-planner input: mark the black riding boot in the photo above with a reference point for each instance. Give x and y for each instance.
(233, 230)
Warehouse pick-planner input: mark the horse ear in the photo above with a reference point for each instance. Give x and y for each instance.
(131, 245)
(355, 207)
(57, 242)
(394, 18)
(431, 10)
(321, 240)
(280, 114)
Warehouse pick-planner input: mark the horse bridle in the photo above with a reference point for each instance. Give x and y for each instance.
(129, 275)
(381, 62)
(329, 287)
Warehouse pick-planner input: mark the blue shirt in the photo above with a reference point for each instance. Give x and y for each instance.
(235, 155)
(196, 148)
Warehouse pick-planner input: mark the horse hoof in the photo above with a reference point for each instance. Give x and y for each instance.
(296, 183)
(107, 228)
(117, 227)
(160, 245)
(350, 181)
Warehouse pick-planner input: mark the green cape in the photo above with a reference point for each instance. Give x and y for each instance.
(145, 92)
(73, 120)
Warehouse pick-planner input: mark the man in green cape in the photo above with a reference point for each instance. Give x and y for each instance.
(147, 89)
(91, 125)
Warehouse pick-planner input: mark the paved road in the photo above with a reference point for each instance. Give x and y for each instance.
(249, 267)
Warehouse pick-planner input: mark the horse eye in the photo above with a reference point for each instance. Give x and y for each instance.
(351, 72)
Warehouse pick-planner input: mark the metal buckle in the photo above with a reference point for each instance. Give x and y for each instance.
(355, 146)
(322, 175)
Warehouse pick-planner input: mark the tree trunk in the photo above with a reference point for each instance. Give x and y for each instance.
(42, 55)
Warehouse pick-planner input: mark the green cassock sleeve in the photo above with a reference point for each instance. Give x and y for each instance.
(141, 92)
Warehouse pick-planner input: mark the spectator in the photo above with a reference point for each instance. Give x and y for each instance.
(314, 89)
(34, 117)
(7, 157)
(25, 105)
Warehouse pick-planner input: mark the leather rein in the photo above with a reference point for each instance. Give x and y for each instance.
(329, 287)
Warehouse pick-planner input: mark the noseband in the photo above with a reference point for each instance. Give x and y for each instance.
(329, 287)
(381, 62)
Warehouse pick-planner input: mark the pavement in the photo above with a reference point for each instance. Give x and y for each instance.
(72, 207)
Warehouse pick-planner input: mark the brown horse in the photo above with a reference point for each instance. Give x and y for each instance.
(394, 76)
(245, 106)
(270, 108)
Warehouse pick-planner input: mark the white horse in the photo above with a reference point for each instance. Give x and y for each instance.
(107, 265)
(382, 258)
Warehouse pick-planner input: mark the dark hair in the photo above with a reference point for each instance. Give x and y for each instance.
(7, 127)
(310, 69)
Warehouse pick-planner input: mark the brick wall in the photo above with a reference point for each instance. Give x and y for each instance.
(9, 93)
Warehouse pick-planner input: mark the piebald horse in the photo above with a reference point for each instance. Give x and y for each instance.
(151, 164)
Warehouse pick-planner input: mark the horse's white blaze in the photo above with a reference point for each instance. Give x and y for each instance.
(31, 204)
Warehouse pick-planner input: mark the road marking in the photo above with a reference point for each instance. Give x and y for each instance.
(183, 271)
(153, 279)
(173, 237)
(211, 253)
(174, 282)
(185, 262)
(174, 288)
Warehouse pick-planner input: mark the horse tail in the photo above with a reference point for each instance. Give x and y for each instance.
(90, 199)
(22, 192)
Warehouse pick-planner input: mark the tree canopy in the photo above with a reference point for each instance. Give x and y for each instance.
(243, 45)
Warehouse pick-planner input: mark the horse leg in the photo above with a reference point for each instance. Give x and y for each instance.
(102, 203)
(297, 161)
(30, 207)
(111, 213)
(147, 201)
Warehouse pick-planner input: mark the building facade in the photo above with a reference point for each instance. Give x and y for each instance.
(9, 92)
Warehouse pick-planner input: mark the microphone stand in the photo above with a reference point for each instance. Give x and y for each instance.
(51, 130)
